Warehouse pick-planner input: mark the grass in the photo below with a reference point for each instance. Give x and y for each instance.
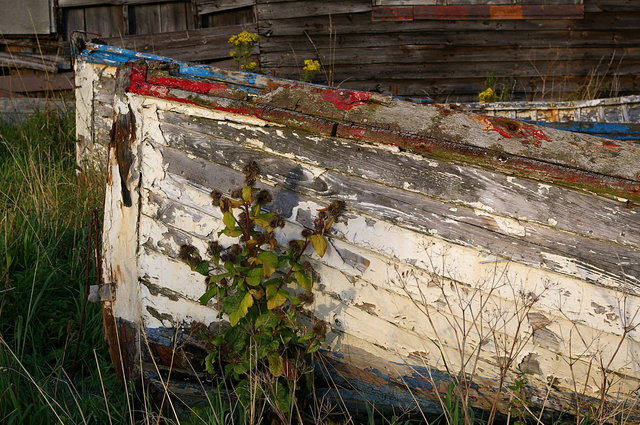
(49, 367)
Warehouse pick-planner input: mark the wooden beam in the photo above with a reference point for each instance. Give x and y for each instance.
(476, 12)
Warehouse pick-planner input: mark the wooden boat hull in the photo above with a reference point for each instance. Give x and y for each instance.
(480, 250)
(614, 118)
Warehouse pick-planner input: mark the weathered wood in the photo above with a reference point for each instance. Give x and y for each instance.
(453, 2)
(298, 9)
(106, 21)
(202, 44)
(14, 109)
(214, 6)
(446, 38)
(351, 315)
(476, 11)
(520, 199)
(428, 228)
(73, 20)
(531, 244)
(145, 19)
(360, 23)
(80, 3)
(414, 61)
(32, 83)
(174, 16)
(497, 142)
(47, 63)
(244, 16)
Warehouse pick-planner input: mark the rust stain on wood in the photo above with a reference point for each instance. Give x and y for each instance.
(123, 135)
(122, 339)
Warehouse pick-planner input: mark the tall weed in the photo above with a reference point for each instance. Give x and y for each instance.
(44, 230)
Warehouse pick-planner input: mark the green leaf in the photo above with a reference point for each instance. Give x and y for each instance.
(319, 244)
(263, 220)
(255, 210)
(313, 347)
(243, 309)
(304, 280)
(218, 277)
(267, 321)
(255, 276)
(209, 361)
(276, 365)
(231, 268)
(211, 292)
(269, 262)
(247, 194)
(202, 268)
(279, 298)
(283, 396)
(229, 220)
(232, 233)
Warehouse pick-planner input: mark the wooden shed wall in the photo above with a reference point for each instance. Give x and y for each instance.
(450, 59)
(183, 29)
(565, 58)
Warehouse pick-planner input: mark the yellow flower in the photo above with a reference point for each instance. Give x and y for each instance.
(486, 96)
(311, 65)
(249, 66)
(244, 38)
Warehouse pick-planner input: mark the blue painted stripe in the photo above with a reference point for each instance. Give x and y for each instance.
(617, 131)
(115, 56)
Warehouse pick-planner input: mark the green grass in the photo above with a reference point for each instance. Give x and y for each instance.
(44, 229)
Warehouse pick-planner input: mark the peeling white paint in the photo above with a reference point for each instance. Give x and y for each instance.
(507, 225)
(543, 189)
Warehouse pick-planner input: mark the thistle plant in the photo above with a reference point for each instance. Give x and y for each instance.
(262, 287)
(243, 44)
(309, 69)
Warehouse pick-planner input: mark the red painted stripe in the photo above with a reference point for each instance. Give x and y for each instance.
(392, 13)
(169, 88)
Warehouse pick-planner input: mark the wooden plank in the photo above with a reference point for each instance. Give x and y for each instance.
(28, 18)
(477, 12)
(361, 24)
(105, 21)
(547, 76)
(46, 63)
(536, 245)
(466, 90)
(474, 2)
(173, 17)
(230, 17)
(571, 39)
(13, 109)
(597, 57)
(520, 199)
(33, 83)
(73, 20)
(501, 143)
(213, 6)
(88, 3)
(145, 19)
(611, 6)
(304, 9)
(196, 45)
(182, 211)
